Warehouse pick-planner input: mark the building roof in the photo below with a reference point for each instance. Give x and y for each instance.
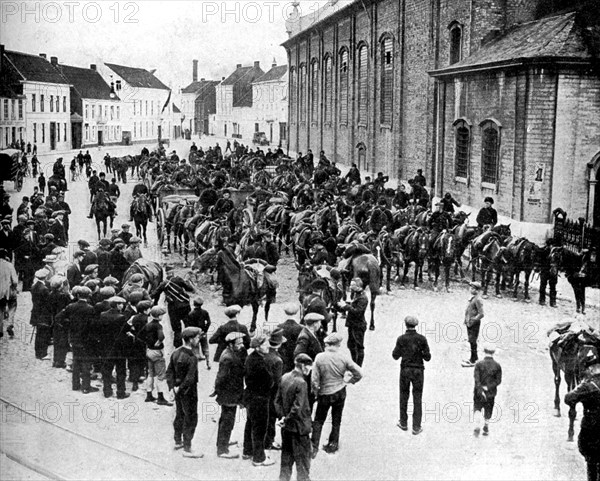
(198, 86)
(34, 68)
(556, 38)
(276, 73)
(88, 83)
(243, 75)
(176, 109)
(9, 91)
(296, 25)
(137, 77)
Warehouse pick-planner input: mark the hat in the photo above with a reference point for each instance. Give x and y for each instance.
(77, 254)
(57, 213)
(411, 321)
(91, 268)
(232, 336)
(107, 292)
(137, 278)
(92, 283)
(318, 284)
(30, 221)
(135, 240)
(117, 300)
(291, 308)
(135, 297)
(489, 199)
(84, 243)
(57, 281)
(21, 217)
(489, 348)
(198, 301)
(276, 338)
(110, 281)
(157, 311)
(82, 291)
(125, 226)
(313, 317)
(303, 358)
(41, 274)
(476, 285)
(47, 236)
(119, 241)
(104, 242)
(143, 305)
(49, 258)
(333, 339)
(189, 332)
(233, 311)
(258, 340)
(5, 221)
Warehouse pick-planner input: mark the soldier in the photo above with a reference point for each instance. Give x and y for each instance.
(488, 376)
(229, 388)
(487, 215)
(182, 378)
(439, 222)
(473, 316)
(355, 320)
(293, 406)
(413, 348)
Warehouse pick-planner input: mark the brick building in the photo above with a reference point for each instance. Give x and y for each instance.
(489, 97)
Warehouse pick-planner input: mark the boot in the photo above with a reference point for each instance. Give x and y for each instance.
(207, 364)
(162, 401)
(149, 397)
(134, 386)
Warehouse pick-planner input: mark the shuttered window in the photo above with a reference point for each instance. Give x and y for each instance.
(314, 91)
(343, 92)
(387, 80)
(328, 89)
(363, 78)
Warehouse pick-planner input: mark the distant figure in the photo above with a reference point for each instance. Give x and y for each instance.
(420, 178)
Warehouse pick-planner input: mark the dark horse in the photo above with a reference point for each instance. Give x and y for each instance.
(567, 355)
(580, 273)
(416, 248)
(386, 248)
(443, 253)
(331, 295)
(152, 272)
(102, 208)
(523, 255)
(140, 213)
(365, 267)
(240, 285)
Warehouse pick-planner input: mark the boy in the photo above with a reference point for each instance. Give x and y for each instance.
(488, 376)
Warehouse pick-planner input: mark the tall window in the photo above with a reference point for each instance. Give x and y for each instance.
(118, 112)
(328, 89)
(146, 114)
(64, 103)
(87, 111)
(344, 86)
(93, 111)
(33, 102)
(135, 128)
(51, 103)
(58, 131)
(21, 109)
(34, 133)
(314, 91)
(302, 94)
(292, 94)
(462, 144)
(12, 109)
(5, 109)
(41, 102)
(363, 79)
(455, 42)
(134, 104)
(490, 148)
(387, 80)
(57, 103)
(43, 133)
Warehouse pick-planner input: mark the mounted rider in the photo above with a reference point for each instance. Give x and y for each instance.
(439, 222)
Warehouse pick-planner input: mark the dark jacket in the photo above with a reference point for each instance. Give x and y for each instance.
(488, 375)
(308, 344)
(176, 292)
(487, 217)
(89, 258)
(588, 393)
(40, 300)
(229, 384)
(221, 333)
(259, 379)
(198, 317)
(292, 404)
(183, 372)
(112, 330)
(74, 275)
(78, 317)
(355, 311)
(413, 348)
(291, 331)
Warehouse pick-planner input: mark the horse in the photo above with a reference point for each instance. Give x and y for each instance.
(580, 273)
(242, 286)
(101, 210)
(386, 248)
(278, 219)
(416, 248)
(464, 234)
(152, 272)
(141, 212)
(366, 268)
(443, 252)
(493, 259)
(567, 355)
(331, 294)
(501, 232)
(522, 254)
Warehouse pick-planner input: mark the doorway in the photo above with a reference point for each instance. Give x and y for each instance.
(100, 137)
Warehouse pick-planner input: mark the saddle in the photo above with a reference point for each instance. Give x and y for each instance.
(258, 272)
(515, 245)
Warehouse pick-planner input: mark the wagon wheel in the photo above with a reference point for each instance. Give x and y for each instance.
(160, 226)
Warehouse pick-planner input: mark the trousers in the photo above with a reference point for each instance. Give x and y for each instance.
(256, 428)
(336, 402)
(547, 279)
(472, 335)
(411, 376)
(186, 418)
(295, 448)
(226, 425)
(43, 335)
(176, 315)
(81, 368)
(356, 343)
(119, 364)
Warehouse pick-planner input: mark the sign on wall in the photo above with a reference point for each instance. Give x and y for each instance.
(536, 180)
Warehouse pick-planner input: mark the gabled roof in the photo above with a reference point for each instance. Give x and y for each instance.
(34, 68)
(199, 85)
(137, 77)
(556, 38)
(243, 75)
(276, 73)
(88, 83)
(9, 91)
(176, 109)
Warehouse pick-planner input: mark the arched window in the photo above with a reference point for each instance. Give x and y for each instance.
(462, 148)
(343, 91)
(490, 150)
(302, 92)
(362, 156)
(314, 91)
(363, 80)
(455, 29)
(387, 79)
(292, 94)
(328, 89)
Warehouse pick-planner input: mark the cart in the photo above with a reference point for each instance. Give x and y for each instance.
(167, 200)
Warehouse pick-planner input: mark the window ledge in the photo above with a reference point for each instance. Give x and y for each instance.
(488, 185)
(385, 126)
(461, 180)
(362, 124)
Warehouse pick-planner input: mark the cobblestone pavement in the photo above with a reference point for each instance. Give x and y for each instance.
(526, 441)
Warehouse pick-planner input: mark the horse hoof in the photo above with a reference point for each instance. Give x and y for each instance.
(556, 413)
(371, 327)
(570, 439)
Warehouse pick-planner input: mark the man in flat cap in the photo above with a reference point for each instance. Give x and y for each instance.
(473, 316)
(232, 325)
(488, 376)
(413, 348)
(200, 318)
(275, 365)
(182, 379)
(229, 388)
(125, 234)
(487, 215)
(154, 337)
(112, 328)
(355, 320)
(74, 276)
(293, 406)
(90, 273)
(58, 228)
(259, 382)
(135, 284)
(308, 343)
(329, 386)
(137, 354)
(133, 251)
(41, 317)
(102, 254)
(290, 330)
(90, 257)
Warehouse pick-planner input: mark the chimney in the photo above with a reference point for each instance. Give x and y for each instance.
(222, 78)
(239, 65)
(43, 55)
(274, 64)
(152, 71)
(257, 64)
(54, 61)
(195, 71)
(92, 66)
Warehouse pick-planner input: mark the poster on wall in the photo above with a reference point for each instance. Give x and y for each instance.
(536, 181)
